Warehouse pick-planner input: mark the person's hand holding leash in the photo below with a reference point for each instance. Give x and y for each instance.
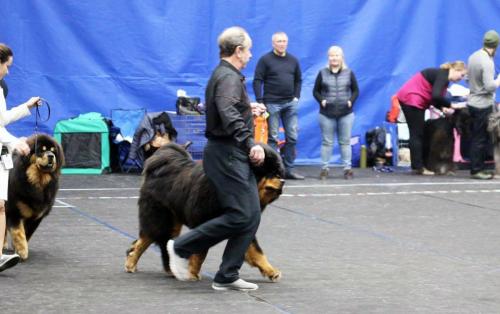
(34, 101)
(22, 147)
(448, 111)
(257, 155)
(258, 108)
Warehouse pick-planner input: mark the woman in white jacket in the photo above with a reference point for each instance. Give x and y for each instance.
(8, 143)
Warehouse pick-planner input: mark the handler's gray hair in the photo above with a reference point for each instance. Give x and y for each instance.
(231, 38)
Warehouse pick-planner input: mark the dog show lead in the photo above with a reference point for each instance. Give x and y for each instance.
(9, 143)
(227, 160)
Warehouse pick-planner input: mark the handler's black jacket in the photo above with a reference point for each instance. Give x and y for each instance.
(228, 111)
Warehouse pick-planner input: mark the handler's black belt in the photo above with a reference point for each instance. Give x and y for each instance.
(4, 151)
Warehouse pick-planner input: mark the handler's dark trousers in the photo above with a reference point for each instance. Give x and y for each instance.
(228, 168)
(415, 118)
(480, 138)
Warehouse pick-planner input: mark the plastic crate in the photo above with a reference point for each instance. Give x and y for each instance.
(191, 128)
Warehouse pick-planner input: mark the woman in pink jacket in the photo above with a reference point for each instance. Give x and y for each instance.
(426, 88)
(8, 143)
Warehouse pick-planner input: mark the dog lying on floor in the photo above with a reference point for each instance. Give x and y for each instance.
(494, 129)
(33, 184)
(439, 140)
(176, 192)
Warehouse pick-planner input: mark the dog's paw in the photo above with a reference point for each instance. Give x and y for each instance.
(195, 277)
(23, 254)
(130, 268)
(275, 276)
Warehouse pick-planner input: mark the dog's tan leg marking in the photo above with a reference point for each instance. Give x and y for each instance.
(25, 210)
(257, 259)
(19, 240)
(176, 230)
(195, 262)
(134, 253)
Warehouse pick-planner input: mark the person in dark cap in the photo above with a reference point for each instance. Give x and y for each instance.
(481, 101)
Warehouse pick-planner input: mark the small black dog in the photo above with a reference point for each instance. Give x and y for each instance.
(439, 140)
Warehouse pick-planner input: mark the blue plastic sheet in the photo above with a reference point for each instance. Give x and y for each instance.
(87, 56)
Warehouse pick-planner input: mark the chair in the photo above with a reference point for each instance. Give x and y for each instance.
(127, 120)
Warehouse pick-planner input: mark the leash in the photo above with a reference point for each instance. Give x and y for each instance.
(38, 116)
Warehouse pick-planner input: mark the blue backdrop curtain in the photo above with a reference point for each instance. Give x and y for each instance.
(87, 56)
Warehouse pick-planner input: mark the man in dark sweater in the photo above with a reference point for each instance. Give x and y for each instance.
(280, 75)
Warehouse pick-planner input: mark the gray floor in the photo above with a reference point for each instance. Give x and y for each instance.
(381, 243)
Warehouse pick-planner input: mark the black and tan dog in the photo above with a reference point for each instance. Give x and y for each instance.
(439, 140)
(176, 192)
(494, 129)
(33, 184)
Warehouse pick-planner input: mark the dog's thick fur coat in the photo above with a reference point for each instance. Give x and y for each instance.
(176, 192)
(494, 129)
(439, 141)
(33, 184)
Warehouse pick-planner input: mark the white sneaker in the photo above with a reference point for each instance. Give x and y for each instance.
(240, 285)
(8, 261)
(178, 265)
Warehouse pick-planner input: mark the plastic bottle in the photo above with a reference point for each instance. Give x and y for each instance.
(362, 158)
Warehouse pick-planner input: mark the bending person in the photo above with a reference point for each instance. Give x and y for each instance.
(426, 88)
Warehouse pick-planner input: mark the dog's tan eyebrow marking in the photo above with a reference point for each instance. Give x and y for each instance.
(44, 148)
(52, 149)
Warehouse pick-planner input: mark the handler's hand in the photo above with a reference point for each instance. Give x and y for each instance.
(34, 101)
(257, 155)
(257, 108)
(22, 147)
(448, 111)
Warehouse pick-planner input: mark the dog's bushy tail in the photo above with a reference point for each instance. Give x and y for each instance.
(169, 154)
(272, 166)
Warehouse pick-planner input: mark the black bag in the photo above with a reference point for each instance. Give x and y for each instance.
(188, 106)
(375, 144)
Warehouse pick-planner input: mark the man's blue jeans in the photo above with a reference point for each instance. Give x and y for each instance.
(287, 112)
(343, 127)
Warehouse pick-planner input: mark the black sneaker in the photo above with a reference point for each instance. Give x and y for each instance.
(294, 176)
(8, 261)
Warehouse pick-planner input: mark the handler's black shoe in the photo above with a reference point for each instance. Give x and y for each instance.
(294, 176)
(178, 265)
(240, 285)
(8, 261)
